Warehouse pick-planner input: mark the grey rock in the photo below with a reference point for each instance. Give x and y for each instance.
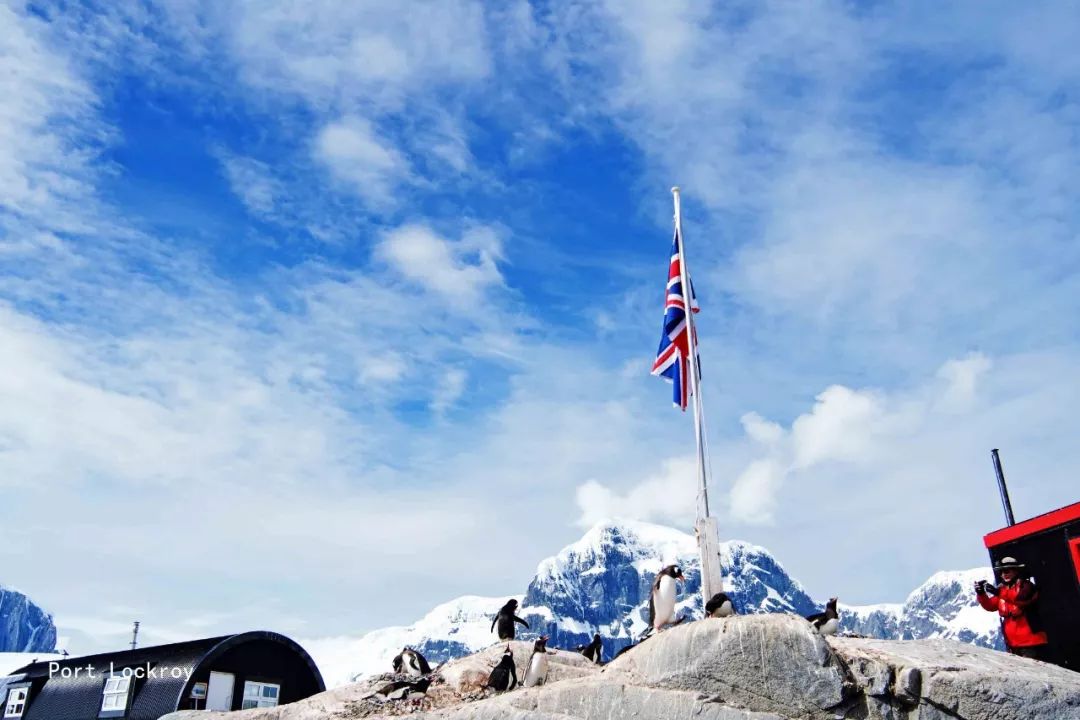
(766, 663)
(950, 679)
(909, 685)
(589, 699)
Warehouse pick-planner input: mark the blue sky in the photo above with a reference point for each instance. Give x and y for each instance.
(314, 315)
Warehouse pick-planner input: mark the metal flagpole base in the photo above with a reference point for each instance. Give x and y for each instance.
(708, 538)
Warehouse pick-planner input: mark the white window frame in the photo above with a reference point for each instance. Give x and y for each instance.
(10, 702)
(255, 695)
(117, 689)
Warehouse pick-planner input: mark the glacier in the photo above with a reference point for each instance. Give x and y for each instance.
(24, 627)
(601, 584)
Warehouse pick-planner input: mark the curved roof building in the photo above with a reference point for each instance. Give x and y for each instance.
(231, 672)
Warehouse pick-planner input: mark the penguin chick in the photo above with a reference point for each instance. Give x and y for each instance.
(594, 650)
(503, 676)
(399, 662)
(663, 596)
(505, 619)
(412, 663)
(828, 622)
(719, 606)
(537, 667)
(402, 690)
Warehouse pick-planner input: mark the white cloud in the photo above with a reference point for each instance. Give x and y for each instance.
(753, 494)
(847, 427)
(386, 367)
(450, 388)
(962, 377)
(842, 426)
(761, 430)
(354, 53)
(460, 271)
(668, 496)
(355, 154)
(49, 133)
(896, 227)
(253, 182)
(849, 432)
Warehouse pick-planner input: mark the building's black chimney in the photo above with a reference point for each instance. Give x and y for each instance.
(135, 630)
(1002, 488)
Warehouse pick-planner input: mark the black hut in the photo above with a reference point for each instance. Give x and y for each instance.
(231, 672)
(1049, 545)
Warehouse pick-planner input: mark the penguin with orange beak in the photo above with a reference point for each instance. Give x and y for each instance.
(537, 668)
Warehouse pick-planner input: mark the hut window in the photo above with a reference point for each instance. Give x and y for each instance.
(115, 696)
(16, 703)
(260, 695)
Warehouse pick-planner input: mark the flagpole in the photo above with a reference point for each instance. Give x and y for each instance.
(705, 527)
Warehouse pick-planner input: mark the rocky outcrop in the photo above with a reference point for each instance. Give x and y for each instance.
(759, 667)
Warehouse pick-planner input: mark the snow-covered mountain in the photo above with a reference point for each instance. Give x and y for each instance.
(944, 606)
(601, 584)
(24, 627)
(450, 630)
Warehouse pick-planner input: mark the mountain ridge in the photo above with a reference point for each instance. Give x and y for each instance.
(601, 583)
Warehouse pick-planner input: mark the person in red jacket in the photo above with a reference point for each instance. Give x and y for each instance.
(1016, 600)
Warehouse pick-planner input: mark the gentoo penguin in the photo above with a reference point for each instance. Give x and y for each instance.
(719, 606)
(410, 662)
(593, 651)
(662, 597)
(402, 690)
(537, 668)
(506, 618)
(504, 675)
(828, 622)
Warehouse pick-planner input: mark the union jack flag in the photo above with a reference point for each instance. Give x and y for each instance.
(673, 352)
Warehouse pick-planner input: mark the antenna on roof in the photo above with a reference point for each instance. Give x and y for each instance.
(135, 635)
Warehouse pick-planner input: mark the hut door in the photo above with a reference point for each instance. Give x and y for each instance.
(220, 691)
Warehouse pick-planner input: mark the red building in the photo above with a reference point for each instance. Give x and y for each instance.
(1050, 547)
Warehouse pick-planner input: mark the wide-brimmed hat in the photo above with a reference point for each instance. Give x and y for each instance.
(1009, 563)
